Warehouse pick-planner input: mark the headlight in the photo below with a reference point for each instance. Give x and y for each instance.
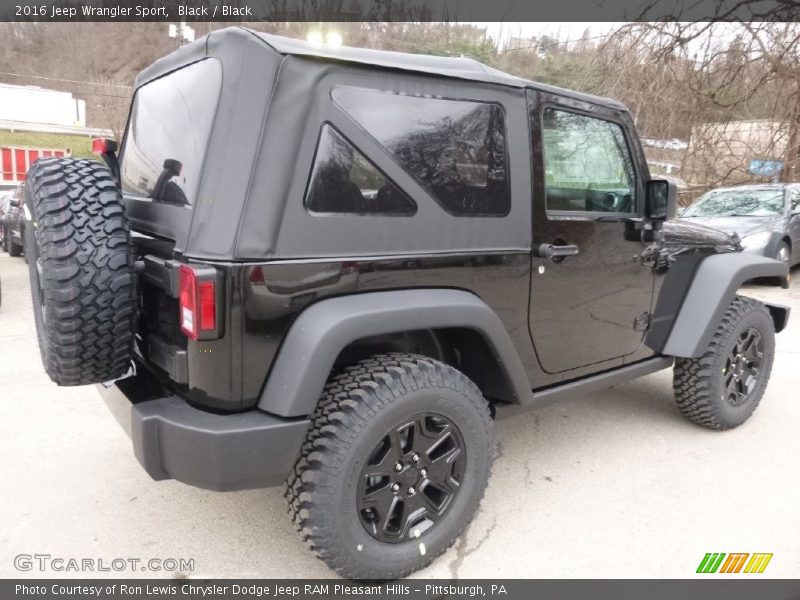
(757, 240)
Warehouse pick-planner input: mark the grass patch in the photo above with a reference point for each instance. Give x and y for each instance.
(81, 146)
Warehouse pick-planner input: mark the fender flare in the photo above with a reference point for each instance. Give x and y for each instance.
(715, 282)
(323, 330)
(775, 239)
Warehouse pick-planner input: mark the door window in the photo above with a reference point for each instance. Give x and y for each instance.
(588, 166)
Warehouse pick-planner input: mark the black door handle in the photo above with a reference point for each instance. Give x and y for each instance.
(555, 252)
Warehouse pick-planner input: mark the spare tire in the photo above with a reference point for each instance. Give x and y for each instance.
(82, 276)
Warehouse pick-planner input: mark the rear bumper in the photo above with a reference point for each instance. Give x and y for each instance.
(173, 440)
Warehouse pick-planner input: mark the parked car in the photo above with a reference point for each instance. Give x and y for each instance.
(4, 208)
(765, 217)
(13, 224)
(348, 262)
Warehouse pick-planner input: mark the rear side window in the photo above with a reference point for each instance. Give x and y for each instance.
(170, 124)
(455, 149)
(343, 181)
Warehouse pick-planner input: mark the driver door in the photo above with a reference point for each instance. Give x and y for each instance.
(591, 308)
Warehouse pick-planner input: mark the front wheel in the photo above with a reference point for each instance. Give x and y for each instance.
(394, 466)
(785, 255)
(723, 387)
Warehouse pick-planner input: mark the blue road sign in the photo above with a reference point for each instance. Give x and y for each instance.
(766, 168)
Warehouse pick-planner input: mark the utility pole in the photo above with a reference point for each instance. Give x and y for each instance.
(182, 32)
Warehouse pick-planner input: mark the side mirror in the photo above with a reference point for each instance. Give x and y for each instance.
(13, 203)
(661, 200)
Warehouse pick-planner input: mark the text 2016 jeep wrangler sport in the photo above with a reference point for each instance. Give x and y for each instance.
(335, 267)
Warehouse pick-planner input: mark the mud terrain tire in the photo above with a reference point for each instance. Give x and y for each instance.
(81, 271)
(722, 388)
(358, 413)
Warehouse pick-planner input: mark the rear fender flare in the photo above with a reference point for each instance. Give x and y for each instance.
(322, 331)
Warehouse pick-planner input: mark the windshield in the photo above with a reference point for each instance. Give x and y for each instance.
(738, 203)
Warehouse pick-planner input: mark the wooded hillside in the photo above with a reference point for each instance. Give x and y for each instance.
(676, 78)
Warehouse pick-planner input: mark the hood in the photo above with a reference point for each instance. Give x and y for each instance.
(693, 233)
(682, 236)
(742, 226)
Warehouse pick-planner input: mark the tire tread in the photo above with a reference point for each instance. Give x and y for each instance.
(89, 284)
(693, 377)
(348, 402)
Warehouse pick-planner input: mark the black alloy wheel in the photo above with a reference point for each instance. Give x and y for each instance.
(411, 477)
(740, 375)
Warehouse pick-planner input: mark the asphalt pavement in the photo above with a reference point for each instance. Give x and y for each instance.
(615, 484)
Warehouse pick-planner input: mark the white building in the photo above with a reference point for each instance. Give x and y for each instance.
(37, 110)
(35, 105)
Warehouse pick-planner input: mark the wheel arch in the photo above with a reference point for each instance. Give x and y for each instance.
(459, 327)
(463, 348)
(788, 241)
(715, 282)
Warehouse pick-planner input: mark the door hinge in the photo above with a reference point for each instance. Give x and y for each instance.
(649, 257)
(642, 322)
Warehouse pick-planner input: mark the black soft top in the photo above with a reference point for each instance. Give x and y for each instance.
(274, 96)
(442, 66)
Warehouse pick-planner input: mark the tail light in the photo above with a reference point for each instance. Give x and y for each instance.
(197, 297)
(103, 146)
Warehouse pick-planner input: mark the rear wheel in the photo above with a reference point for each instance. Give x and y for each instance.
(394, 466)
(785, 256)
(722, 388)
(81, 271)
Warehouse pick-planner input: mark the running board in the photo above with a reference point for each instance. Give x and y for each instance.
(587, 385)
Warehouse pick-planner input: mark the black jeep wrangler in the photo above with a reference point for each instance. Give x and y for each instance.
(336, 267)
